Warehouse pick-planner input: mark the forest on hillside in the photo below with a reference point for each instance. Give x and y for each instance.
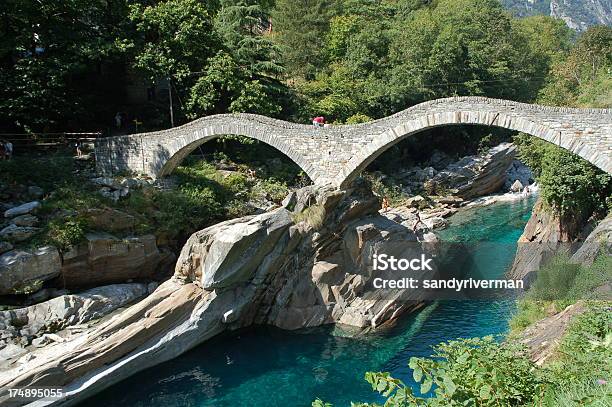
(67, 65)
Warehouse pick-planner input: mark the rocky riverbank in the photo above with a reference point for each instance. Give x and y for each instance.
(300, 264)
(546, 235)
(303, 264)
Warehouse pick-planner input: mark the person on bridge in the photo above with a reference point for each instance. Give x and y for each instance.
(318, 121)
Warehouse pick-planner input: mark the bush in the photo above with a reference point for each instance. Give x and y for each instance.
(65, 233)
(272, 189)
(570, 185)
(585, 351)
(464, 372)
(383, 188)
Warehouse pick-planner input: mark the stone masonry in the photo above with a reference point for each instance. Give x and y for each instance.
(337, 154)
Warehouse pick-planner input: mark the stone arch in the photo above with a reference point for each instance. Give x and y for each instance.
(181, 147)
(335, 155)
(500, 119)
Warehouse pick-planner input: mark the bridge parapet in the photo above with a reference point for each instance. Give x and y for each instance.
(336, 154)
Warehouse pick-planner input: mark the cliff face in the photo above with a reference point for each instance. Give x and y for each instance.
(546, 235)
(577, 14)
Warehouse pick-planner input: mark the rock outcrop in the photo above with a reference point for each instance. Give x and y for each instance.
(543, 338)
(25, 271)
(475, 176)
(264, 269)
(22, 326)
(104, 259)
(546, 235)
(599, 241)
(471, 177)
(23, 209)
(542, 237)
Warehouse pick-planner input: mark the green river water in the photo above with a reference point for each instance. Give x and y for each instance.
(267, 367)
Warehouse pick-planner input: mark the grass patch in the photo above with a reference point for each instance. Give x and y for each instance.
(313, 215)
(558, 285)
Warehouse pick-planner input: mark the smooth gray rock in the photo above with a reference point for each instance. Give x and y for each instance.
(16, 233)
(56, 314)
(516, 187)
(25, 220)
(20, 270)
(26, 208)
(598, 242)
(5, 247)
(237, 250)
(475, 176)
(105, 259)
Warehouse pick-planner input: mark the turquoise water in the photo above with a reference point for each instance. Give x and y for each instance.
(267, 367)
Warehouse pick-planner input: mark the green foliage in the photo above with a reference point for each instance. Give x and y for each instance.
(299, 28)
(386, 188)
(465, 372)
(483, 372)
(584, 358)
(570, 185)
(528, 312)
(47, 172)
(67, 232)
(358, 118)
(479, 371)
(272, 189)
(582, 79)
(560, 283)
(48, 54)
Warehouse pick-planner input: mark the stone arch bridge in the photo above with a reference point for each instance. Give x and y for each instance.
(337, 154)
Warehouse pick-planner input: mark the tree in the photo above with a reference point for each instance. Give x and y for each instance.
(582, 79)
(461, 47)
(177, 38)
(53, 55)
(300, 27)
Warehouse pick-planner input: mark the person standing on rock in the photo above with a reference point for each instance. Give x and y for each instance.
(418, 221)
(385, 204)
(77, 146)
(8, 149)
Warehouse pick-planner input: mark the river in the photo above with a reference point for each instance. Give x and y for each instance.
(268, 367)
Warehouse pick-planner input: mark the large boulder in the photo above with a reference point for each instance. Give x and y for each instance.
(475, 176)
(105, 259)
(24, 271)
(110, 220)
(288, 275)
(25, 220)
(228, 253)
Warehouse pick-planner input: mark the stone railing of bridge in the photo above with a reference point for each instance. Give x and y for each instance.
(336, 154)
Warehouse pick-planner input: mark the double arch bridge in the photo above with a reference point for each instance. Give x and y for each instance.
(337, 154)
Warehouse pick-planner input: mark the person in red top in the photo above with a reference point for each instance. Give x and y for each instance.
(318, 121)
